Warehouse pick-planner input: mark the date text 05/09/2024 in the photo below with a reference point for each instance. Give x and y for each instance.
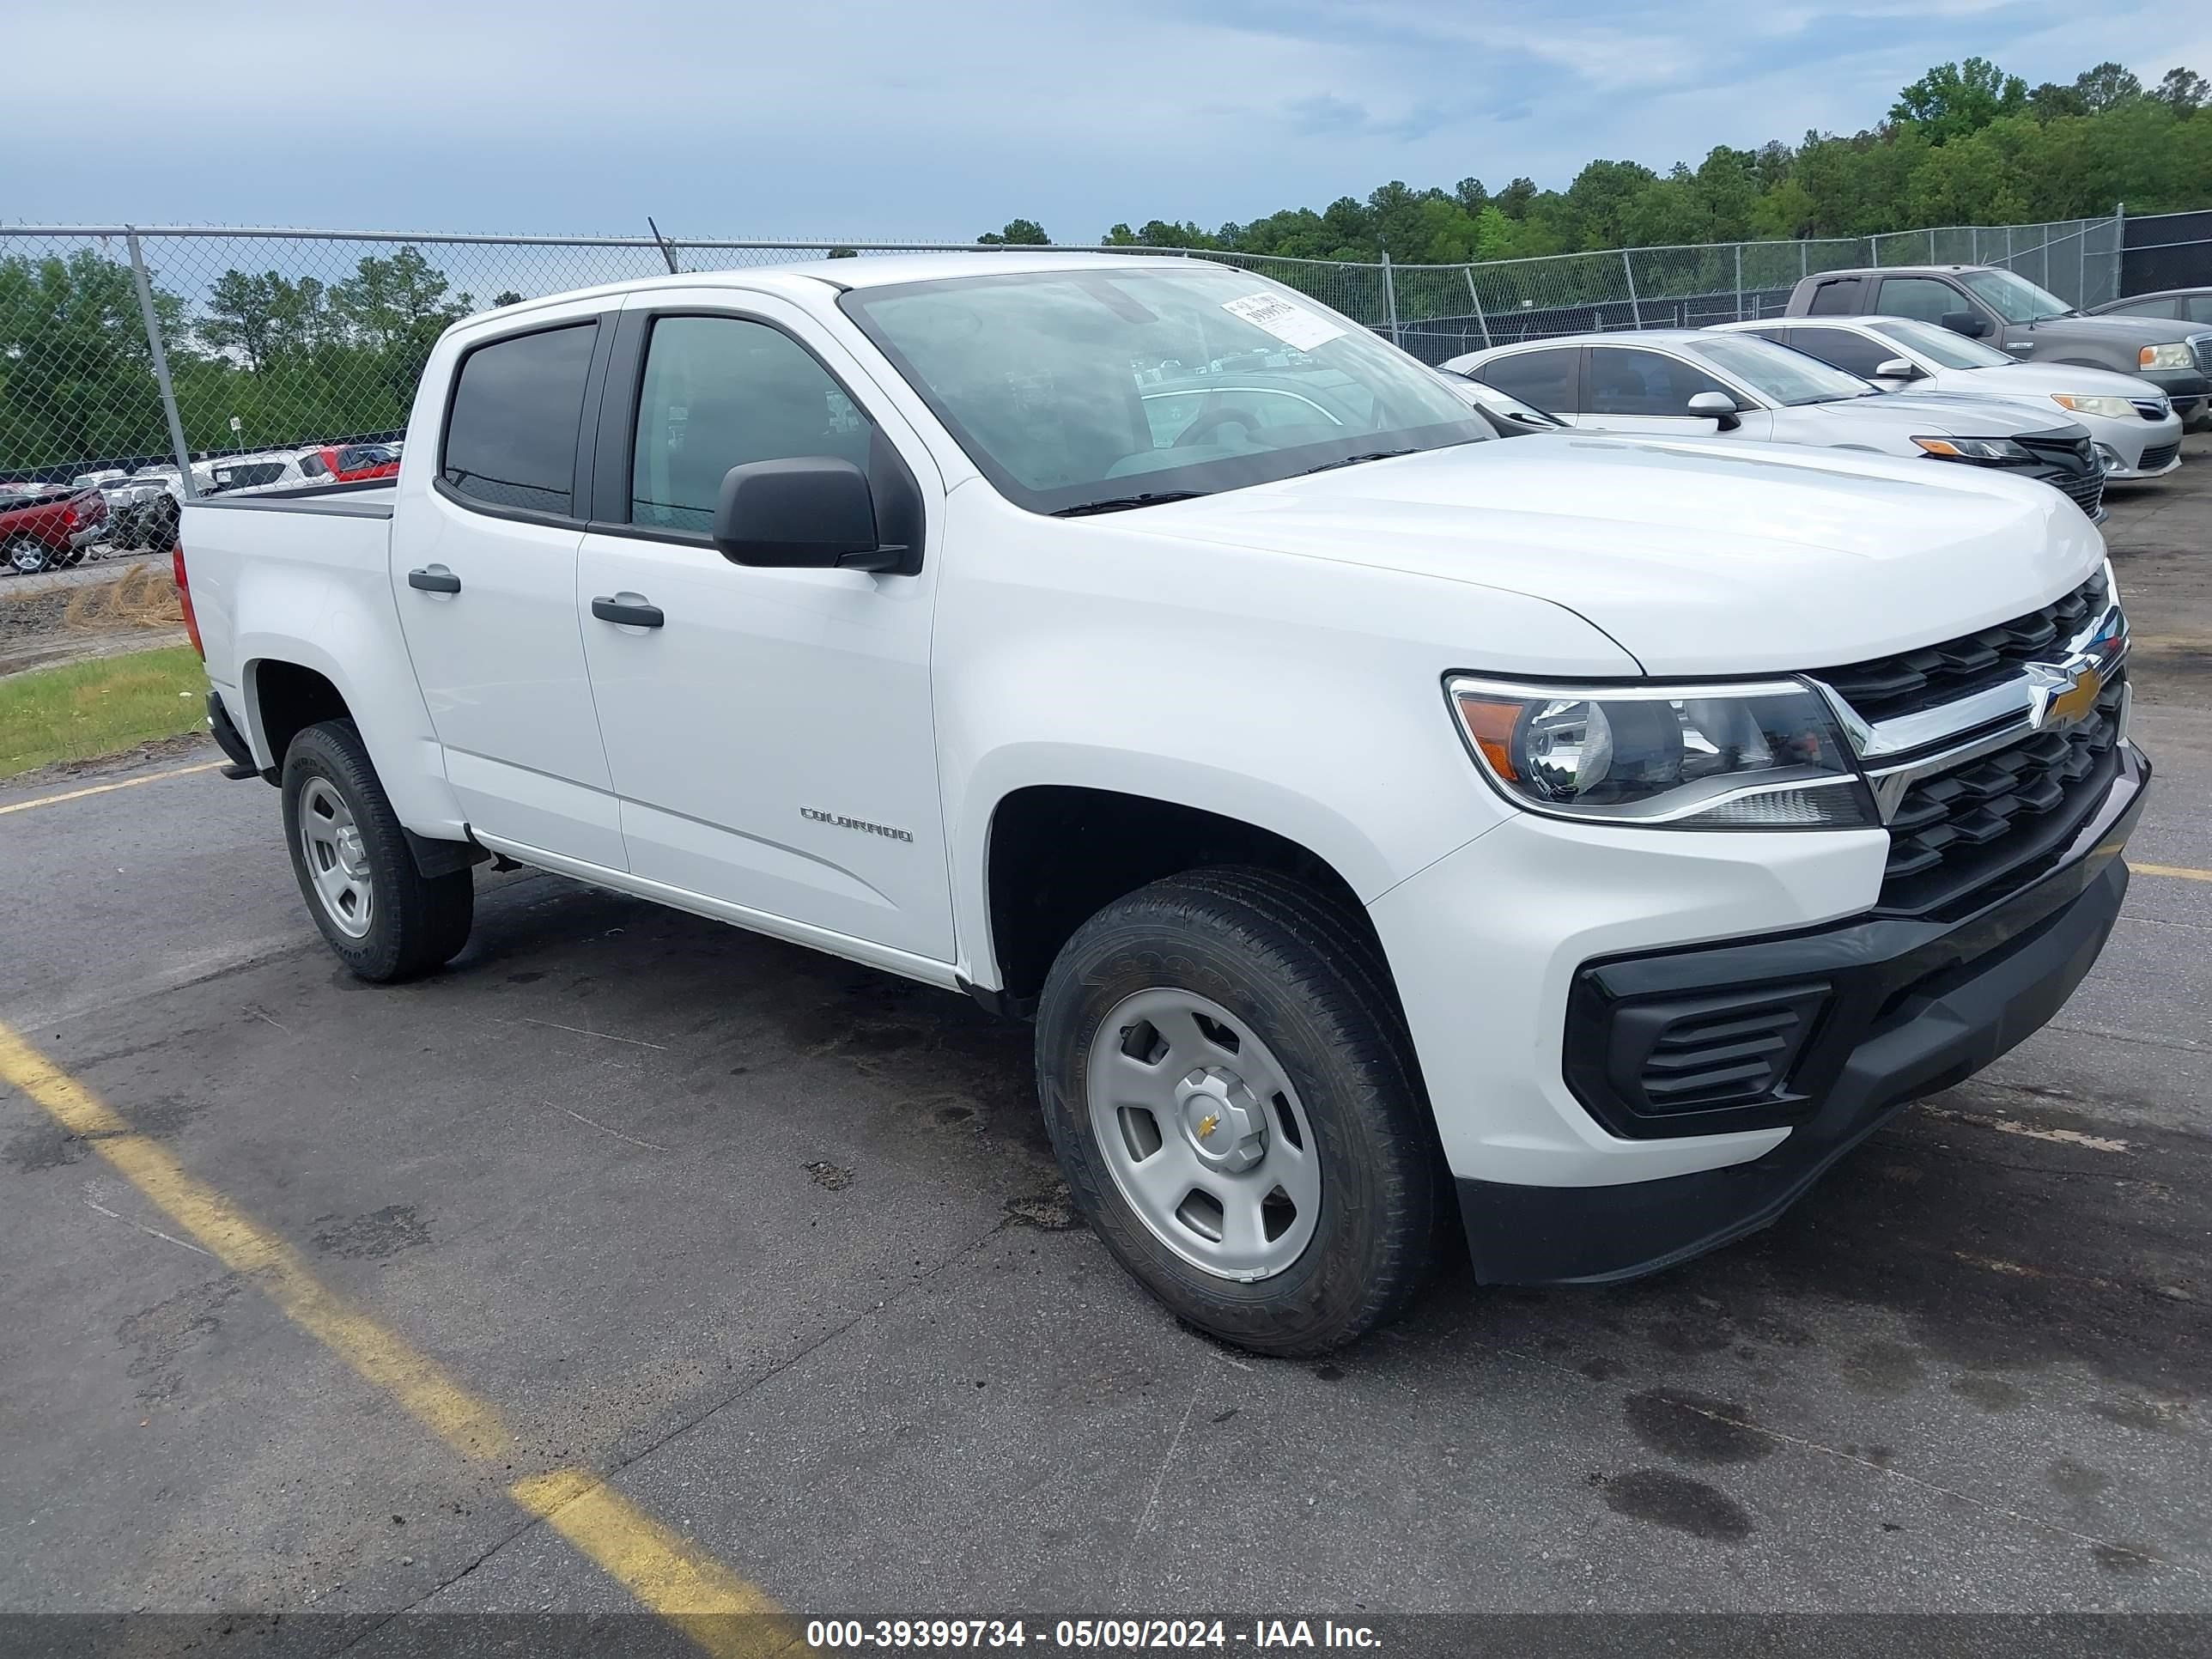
(1086, 1635)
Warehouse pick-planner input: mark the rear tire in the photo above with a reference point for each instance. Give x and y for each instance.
(25, 556)
(384, 919)
(1269, 999)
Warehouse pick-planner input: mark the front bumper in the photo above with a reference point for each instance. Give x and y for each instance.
(1915, 1006)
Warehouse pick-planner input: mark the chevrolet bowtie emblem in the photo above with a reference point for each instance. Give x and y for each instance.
(1208, 1125)
(2061, 692)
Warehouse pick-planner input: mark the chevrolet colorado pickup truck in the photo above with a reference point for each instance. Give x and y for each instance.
(1588, 840)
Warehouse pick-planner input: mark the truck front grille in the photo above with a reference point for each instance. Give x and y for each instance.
(2202, 345)
(1997, 821)
(1884, 687)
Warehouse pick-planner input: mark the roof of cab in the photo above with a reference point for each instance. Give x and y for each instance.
(865, 270)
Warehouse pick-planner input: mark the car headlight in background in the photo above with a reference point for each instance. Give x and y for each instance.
(1733, 756)
(2003, 449)
(2113, 409)
(2175, 355)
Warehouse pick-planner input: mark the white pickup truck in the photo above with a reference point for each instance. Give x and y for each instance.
(1589, 838)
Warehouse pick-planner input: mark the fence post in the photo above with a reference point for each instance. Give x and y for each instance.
(1931, 244)
(160, 362)
(2119, 250)
(1390, 299)
(1804, 259)
(1481, 321)
(1635, 311)
(1739, 282)
(666, 251)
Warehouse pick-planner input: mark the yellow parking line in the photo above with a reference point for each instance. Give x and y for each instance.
(104, 788)
(718, 1610)
(2180, 870)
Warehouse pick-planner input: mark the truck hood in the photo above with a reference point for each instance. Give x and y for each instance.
(2122, 331)
(1696, 558)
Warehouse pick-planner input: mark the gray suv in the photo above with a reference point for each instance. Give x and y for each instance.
(1985, 302)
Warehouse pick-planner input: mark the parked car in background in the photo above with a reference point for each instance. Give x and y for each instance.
(1598, 836)
(43, 524)
(2136, 431)
(1507, 414)
(273, 469)
(350, 462)
(2190, 305)
(1694, 383)
(1985, 302)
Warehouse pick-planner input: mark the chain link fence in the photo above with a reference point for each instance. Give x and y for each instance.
(123, 350)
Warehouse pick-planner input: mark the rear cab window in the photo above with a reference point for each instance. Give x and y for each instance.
(1836, 297)
(512, 425)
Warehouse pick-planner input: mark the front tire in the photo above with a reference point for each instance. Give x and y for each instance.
(1227, 1082)
(25, 555)
(386, 920)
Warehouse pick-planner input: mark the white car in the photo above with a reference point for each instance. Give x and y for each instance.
(1592, 836)
(2136, 433)
(1738, 388)
(256, 474)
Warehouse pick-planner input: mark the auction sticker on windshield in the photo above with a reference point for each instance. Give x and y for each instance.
(1293, 324)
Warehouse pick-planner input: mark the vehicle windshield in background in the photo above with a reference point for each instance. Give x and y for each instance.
(1092, 390)
(1952, 350)
(1779, 374)
(2015, 298)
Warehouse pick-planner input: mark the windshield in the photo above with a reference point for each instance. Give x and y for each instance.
(1777, 374)
(2015, 298)
(1950, 350)
(1077, 391)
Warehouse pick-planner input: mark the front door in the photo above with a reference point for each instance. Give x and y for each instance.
(484, 576)
(770, 734)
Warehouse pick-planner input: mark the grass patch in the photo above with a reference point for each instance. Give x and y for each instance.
(100, 708)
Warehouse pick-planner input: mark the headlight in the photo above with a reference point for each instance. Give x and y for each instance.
(2175, 355)
(2113, 409)
(1760, 756)
(1974, 449)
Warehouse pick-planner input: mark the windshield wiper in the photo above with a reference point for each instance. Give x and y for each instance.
(1354, 460)
(1123, 503)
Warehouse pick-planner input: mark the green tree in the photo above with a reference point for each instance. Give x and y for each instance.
(76, 373)
(2106, 87)
(1952, 99)
(1019, 233)
(2184, 91)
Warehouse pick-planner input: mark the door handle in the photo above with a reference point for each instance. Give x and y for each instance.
(627, 613)
(435, 579)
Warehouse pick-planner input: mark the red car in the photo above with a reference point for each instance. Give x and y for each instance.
(348, 463)
(48, 524)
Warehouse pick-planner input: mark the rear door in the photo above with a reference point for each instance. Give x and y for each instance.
(770, 731)
(484, 544)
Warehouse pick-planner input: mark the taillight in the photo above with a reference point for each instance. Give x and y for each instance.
(185, 600)
(68, 518)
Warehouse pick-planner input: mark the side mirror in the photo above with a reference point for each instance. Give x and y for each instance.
(1899, 368)
(1971, 324)
(812, 513)
(1717, 406)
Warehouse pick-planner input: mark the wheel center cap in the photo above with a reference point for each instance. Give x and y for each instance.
(352, 855)
(1222, 1119)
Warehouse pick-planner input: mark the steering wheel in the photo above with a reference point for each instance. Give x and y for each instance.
(1212, 422)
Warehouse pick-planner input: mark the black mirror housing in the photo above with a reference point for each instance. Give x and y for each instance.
(1971, 324)
(808, 513)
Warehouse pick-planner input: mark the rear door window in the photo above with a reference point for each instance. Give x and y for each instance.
(1544, 379)
(511, 433)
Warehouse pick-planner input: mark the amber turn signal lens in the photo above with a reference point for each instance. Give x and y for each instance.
(1491, 724)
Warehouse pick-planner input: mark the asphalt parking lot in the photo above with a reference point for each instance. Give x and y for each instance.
(775, 1247)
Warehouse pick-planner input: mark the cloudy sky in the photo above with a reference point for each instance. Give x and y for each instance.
(848, 118)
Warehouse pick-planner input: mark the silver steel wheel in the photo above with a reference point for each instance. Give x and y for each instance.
(337, 859)
(25, 557)
(1204, 1134)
